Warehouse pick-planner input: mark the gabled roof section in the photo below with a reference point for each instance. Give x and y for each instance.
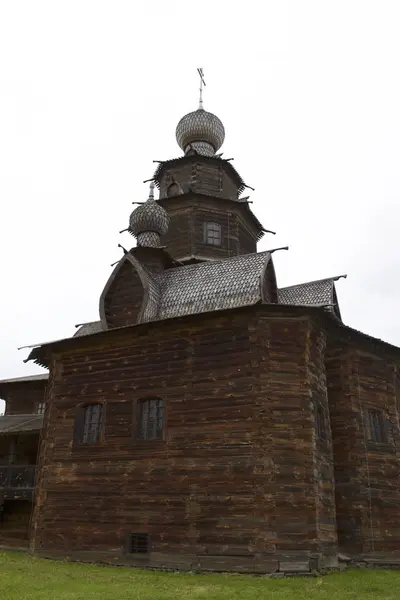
(201, 287)
(321, 292)
(197, 288)
(88, 328)
(211, 286)
(20, 423)
(169, 164)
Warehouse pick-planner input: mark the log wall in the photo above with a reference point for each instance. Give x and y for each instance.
(178, 238)
(231, 487)
(228, 223)
(19, 448)
(15, 518)
(199, 176)
(324, 486)
(185, 235)
(23, 398)
(367, 474)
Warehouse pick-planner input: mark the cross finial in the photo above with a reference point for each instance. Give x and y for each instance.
(202, 82)
(151, 191)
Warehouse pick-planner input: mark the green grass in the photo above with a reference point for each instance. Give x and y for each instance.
(23, 577)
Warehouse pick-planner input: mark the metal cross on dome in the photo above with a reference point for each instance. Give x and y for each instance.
(202, 82)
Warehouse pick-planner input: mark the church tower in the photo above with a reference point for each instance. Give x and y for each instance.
(202, 194)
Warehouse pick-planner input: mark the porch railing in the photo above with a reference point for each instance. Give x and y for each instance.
(17, 477)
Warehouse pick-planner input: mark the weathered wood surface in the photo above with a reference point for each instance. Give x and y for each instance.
(367, 475)
(19, 448)
(23, 398)
(14, 522)
(178, 238)
(269, 287)
(124, 298)
(189, 213)
(241, 474)
(324, 491)
(235, 476)
(200, 176)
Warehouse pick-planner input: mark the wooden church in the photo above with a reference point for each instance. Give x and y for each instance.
(208, 420)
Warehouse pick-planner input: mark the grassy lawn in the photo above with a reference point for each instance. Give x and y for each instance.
(23, 577)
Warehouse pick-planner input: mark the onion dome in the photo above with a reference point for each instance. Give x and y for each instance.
(149, 222)
(200, 130)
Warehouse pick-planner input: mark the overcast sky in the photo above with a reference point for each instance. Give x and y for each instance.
(90, 95)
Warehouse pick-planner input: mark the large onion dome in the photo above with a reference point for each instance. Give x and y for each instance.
(149, 222)
(202, 131)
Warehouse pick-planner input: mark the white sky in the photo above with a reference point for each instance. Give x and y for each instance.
(91, 92)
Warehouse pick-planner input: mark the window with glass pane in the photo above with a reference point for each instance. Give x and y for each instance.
(92, 423)
(151, 419)
(212, 234)
(40, 407)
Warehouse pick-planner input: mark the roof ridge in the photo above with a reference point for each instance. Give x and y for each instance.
(222, 260)
(334, 278)
(87, 323)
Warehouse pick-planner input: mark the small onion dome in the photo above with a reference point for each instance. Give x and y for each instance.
(202, 131)
(149, 222)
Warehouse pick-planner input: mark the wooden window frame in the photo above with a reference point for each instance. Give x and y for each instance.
(212, 233)
(79, 425)
(130, 545)
(137, 421)
(378, 424)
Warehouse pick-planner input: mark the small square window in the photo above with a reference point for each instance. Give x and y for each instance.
(377, 429)
(212, 234)
(138, 543)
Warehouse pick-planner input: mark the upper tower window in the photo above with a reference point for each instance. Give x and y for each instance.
(212, 234)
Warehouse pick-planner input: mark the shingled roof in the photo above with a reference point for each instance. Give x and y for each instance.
(217, 285)
(213, 285)
(88, 328)
(198, 288)
(316, 293)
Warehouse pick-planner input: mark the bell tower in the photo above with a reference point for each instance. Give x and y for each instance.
(201, 193)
